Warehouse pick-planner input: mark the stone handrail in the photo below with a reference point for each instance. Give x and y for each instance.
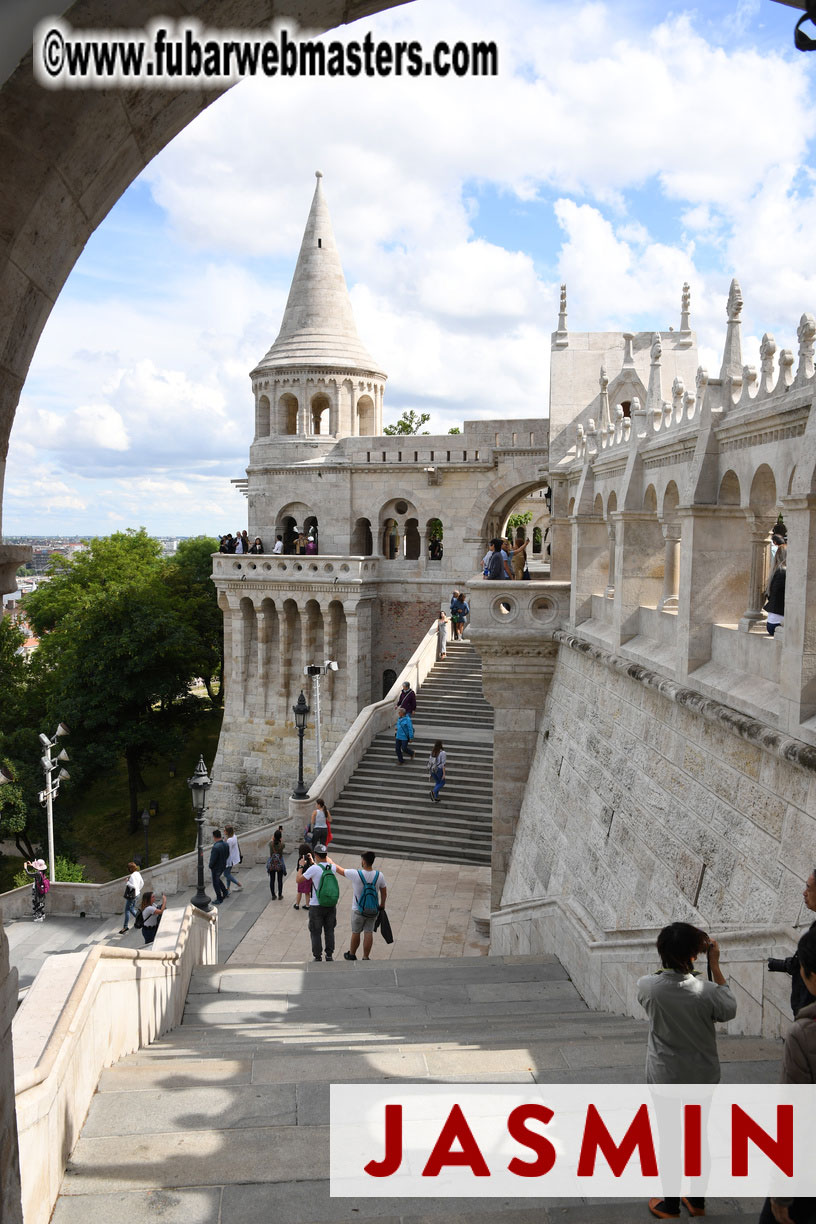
(515, 609)
(371, 720)
(605, 965)
(83, 1013)
(287, 568)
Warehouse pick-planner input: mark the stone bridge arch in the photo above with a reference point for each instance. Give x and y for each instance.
(68, 155)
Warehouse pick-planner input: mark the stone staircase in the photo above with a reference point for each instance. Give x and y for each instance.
(387, 808)
(224, 1120)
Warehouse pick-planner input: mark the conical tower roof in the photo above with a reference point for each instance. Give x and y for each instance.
(318, 327)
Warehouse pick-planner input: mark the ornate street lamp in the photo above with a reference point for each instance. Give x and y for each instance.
(301, 711)
(199, 784)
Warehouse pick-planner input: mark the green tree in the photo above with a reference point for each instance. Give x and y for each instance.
(188, 577)
(20, 816)
(454, 429)
(519, 520)
(115, 655)
(409, 423)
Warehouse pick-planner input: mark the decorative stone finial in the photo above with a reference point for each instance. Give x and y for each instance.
(656, 351)
(766, 363)
(734, 307)
(685, 305)
(318, 173)
(562, 310)
(805, 334)
(628, 355)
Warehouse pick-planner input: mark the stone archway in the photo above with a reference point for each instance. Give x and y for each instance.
(68, 155)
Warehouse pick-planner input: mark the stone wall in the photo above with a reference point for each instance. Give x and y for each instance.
(641, 809)
(397, 628)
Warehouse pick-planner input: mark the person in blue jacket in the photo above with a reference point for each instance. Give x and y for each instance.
(403, 735)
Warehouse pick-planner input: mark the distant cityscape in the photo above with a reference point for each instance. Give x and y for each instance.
(44, 547)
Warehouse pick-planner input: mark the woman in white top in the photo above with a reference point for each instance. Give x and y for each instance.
(442, 634)
(133, 891)
(151, 913)
(234, 857)
(436, 767)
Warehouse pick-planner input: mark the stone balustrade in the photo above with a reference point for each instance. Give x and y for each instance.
(295, 569)
(507, 610)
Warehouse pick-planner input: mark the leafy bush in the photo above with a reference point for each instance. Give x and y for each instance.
(67, 872)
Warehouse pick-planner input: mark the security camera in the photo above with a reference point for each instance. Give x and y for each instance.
(45, 741)
(330, 665)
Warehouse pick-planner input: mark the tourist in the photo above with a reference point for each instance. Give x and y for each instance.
(238, 547)
(278, 547)
(151, 915)
(257, 547)
(799, 1067)
(800, 995)
(459, 611)
(507, 558)
(37, 869)
(219, 854)
(775, 606)
(520, 556)
(369, 894)
(436, 769)
(276, 869)
(311, 544)
(403, 734)
(495, 562)
(244, 542)
(682, 1009)
(321, 823)
(277, 844)
(321, 874)
(227, 543)
(407, 698)
(304, 888)
(234, 857)
(300, 544)
(442, 635)
(133, 890)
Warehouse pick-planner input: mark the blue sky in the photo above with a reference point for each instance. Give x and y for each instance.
(624, 148)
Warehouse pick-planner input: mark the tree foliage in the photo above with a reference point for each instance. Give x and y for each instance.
(454, 429)
(20, 816)
(196, 600)
(519, 520)
(116, 652)
(409, 423)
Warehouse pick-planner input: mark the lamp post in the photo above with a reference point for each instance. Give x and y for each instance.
(300, 710)
(315, 671)
(199, 784)
(52, 786)
(146, 823)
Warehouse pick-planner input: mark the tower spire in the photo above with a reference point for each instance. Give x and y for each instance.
(318, 325)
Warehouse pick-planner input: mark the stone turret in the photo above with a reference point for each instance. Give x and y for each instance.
(318, 382)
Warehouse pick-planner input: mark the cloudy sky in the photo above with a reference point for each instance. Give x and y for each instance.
(625, 147)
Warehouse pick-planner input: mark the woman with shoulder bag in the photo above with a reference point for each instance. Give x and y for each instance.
(133, 889)
(150, 914)
(436, 768)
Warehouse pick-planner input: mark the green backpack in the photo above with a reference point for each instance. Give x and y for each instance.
(328, 890)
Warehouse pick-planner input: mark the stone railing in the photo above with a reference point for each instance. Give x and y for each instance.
(84, 1012)
(290, 569)
(369, 722)
(97, 900)
(516, 609)
(605, 965)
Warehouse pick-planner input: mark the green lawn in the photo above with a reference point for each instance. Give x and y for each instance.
(100, 832)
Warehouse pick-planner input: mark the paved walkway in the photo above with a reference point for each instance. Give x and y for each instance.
(435, 909)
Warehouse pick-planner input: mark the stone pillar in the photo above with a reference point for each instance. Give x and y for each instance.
(671, 568)
(713, 579)
(758, 578)
(798, 663)
(11, 1211)
(590, 559)
(358, 656)
(638, 574)
(609, 592)
(516, 678)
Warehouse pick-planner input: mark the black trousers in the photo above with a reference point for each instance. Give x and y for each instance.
(322, 921)
(802, 1211)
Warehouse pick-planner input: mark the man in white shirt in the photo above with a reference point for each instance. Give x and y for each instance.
(368, 887)
(323, 901)
(133, 892)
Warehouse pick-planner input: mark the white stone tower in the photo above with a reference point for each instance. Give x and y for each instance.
(318, 382)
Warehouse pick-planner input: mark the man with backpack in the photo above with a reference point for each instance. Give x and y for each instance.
(321, 873)
(370, 893)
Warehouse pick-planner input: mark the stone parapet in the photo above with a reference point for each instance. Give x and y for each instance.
(253, 571)
(84, 1012)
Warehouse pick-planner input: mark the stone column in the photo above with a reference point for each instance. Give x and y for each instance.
(516, 678)
(609, 593)
(638, 572)
(358, 656)
(590, 559)
(671, 568)
(11, 1211)
(758, 578)
(713, 579)
(798, 663)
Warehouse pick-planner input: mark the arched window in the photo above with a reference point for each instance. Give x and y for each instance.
(388, 681)
(536, 539)
(288, 414)
(390, 539)
(435, 535)
(412, 543)
(264, 419)
(362, 543)
(321, 414)
(366, 424)
(311, 533)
